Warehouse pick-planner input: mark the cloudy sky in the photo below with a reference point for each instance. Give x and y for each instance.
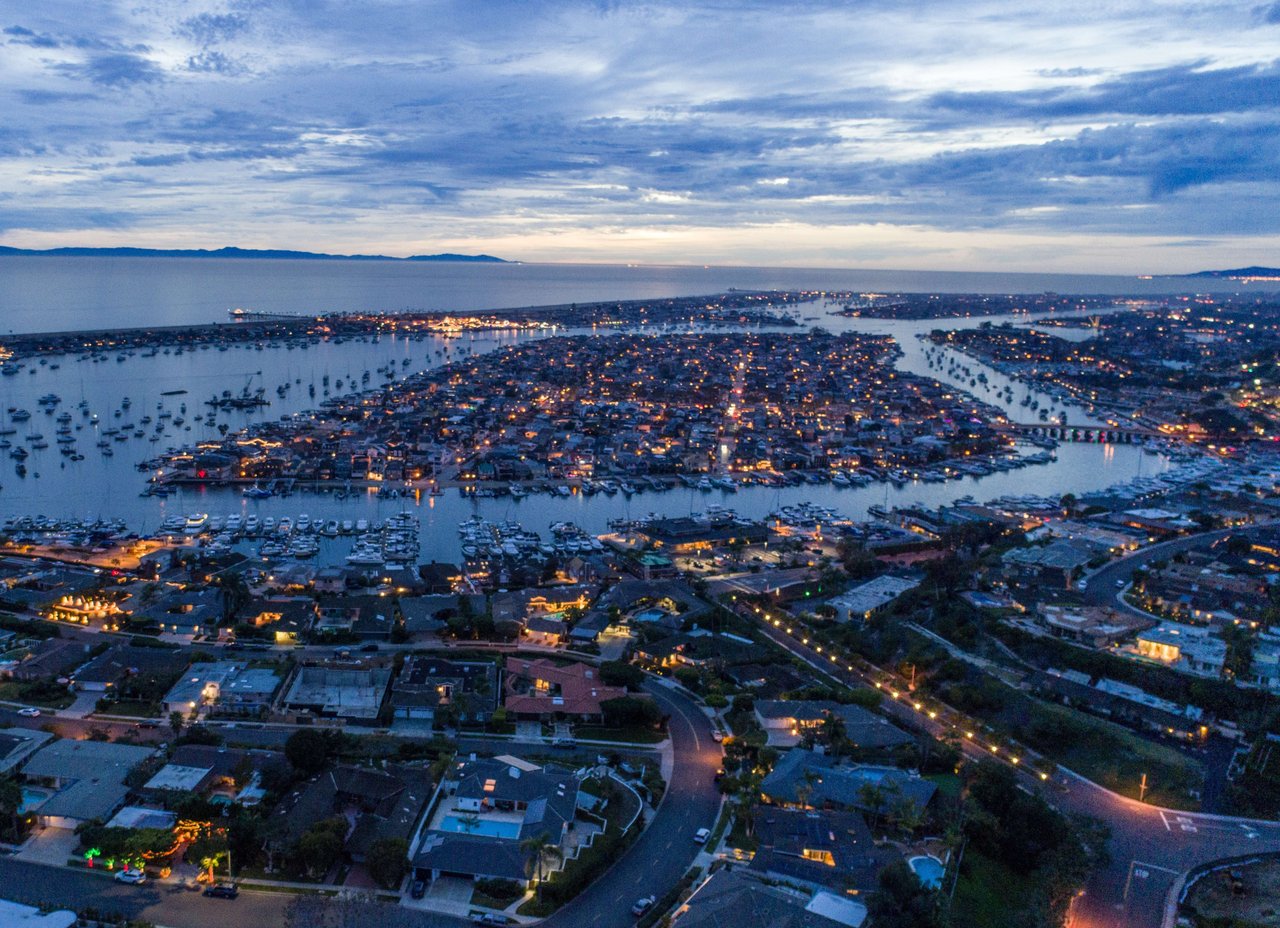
(1098, 135)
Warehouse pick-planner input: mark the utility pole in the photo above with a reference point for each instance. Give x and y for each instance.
(1142, 789)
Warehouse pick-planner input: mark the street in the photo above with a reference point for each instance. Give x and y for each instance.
(654, 863)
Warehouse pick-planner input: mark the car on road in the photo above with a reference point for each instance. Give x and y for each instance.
(643, 905)
(222, 891)
(418, 889)
(1119, 584)
(29, 712)
(489, 918)
(701, 835)
(370, 647)
(567, 744)
(131, 876)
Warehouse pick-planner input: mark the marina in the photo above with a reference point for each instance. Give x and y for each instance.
(143, 394)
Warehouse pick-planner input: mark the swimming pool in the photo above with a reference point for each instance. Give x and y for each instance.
(487, 827)
(32, 799)
(929, 870)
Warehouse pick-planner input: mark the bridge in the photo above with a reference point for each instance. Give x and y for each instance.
(1102, 434)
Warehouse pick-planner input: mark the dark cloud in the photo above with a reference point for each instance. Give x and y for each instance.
(212, 28)
(21, 35)
(116, 69)
(48, 97)
(213, 62)
(1180, 90)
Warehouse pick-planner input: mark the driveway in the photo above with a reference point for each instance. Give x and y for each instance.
(49, 846)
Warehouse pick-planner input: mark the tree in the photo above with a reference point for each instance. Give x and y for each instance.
(629, 710)
(902, 902)
(620, 673)
(307, 751)
(872, 797)
(319, 849)
(10, 803)
(388, 861)
(540, 850)
(177, 721)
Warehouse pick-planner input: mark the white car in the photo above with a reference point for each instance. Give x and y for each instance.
(701, 835)
(29, 712)
(131, 876)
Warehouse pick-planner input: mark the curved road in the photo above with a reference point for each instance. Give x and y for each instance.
(1149, 846)
(657, 860)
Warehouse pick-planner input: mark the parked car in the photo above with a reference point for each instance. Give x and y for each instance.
(567, 744)
(701, 835)
(643, 905)
(131, 876)
(222, 891)
(29, 712)
(717, 735)
(489, 918)
(418, 889)
(370, 647)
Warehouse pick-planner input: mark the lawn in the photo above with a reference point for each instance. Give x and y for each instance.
(44, 695)
(1116, 758)
(134, 708)
(626, 735)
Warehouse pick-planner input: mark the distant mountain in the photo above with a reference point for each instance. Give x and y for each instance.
(269, 253)
(1238, 272)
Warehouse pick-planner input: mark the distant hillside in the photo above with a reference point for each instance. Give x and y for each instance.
(1238, 272)
(271, 253)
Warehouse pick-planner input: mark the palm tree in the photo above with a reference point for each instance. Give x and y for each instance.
(10, 803)
(469, 822)
(541, 850)
(872, 796)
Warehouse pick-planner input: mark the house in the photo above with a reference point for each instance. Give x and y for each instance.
(17, 744)
(821, 850)
(426, 614)
(377, 803)
(51, 659)
(1091, 626)
(428, 684)
(109, 671)
(1188, 648)
(88, 778)
(285, 620)
(541, 688)
(786, 722)
(223, 686)
(354, 693)
(688, 536)
(768, 680)
(865, 600)
(697, 648)
(808, 780)
(207, 769)
(738, 898)
(495, 804)
(183, 612)
(1057, 564)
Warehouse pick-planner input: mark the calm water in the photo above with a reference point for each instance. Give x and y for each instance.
(109, 486)
(63, 294)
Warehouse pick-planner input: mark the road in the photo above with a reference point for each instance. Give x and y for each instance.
(663, 853)
(1149, 846)
(1103, 584)
(657, 860)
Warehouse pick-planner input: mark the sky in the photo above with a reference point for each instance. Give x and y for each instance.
(1107, 136)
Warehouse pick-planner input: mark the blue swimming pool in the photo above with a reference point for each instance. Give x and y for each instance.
(929, 870)
(32, 799)
(486, 827)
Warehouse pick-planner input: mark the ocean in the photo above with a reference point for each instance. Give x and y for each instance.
(55, 294)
